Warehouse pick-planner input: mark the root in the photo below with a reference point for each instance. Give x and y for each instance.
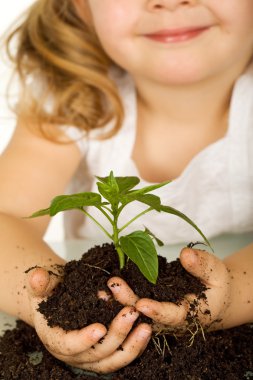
(161, 347)
(191, 244)
(94, 266)
(197, 328)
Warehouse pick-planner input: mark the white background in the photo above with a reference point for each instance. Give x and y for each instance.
(9, 11)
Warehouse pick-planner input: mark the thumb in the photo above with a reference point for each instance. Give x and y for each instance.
(204, 265)
(41, 282)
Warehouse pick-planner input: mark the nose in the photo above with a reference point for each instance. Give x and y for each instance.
(156, 5)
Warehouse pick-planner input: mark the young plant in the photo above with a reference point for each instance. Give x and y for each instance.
(115, 194)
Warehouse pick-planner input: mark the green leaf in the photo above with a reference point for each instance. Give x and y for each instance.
(105, 190)
(109, 189)
(110, 182)
(113, 183)
(149, 199)
(74, 201)
(68, 202)
(45, 211)
(148, 189)
(126, 183)
(104, 180)
(108, 193)
(171, 210)
(158, 241)
(140, 248)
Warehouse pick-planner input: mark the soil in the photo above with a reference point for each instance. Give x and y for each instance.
(68, 309)
(225, 354)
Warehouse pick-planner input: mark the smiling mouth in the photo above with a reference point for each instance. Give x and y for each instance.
(177, 35)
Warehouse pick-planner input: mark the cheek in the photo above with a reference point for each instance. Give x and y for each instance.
(111, 39)
(114, 38)
(244, 37)
(114, 22)
(239, 19)
(237, 26)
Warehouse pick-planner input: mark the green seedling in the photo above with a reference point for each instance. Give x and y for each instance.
(114, 194)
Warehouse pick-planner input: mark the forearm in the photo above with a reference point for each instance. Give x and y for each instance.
(21, 248)
(240, 308)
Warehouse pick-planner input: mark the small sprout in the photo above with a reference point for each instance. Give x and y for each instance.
(115, 193)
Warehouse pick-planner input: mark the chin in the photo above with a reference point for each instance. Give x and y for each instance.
(180, 78)
(179, 73)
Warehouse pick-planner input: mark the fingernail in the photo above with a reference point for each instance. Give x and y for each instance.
(97, 334)
(193, 258)
(39, 279)
(103, 295)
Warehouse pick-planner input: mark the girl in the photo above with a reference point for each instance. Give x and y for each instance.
(161, 88)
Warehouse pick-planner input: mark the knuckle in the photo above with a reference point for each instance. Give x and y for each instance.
(177, 317)
(90, 357)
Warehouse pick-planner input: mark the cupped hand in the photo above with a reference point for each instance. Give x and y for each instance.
(92, 347)
(209, 269)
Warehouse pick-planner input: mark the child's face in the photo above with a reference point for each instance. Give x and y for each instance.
(175, 41)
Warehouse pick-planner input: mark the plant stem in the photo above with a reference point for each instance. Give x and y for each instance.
(107, 208)
(98, 224)
(121, 257)
(105, 214)
(116, 241)
(136, 217)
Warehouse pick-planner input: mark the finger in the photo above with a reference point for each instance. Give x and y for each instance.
(103, 295)
(132, 347)
(117, 333)
(41, 283)
(122, 292)
(204, 265)
(66, 343)
(166, 313)
(73, 343)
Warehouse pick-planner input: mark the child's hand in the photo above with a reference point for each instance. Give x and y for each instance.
(81, 348)
(209, 269)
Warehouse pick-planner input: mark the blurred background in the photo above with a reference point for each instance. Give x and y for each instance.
(9, 11)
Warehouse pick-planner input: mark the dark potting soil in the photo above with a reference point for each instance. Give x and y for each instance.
(74, 303)
(226, 354)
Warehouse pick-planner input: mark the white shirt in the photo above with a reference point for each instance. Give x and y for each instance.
(215, 190)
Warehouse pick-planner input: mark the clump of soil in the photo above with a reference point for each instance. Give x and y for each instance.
(226, 354)
(74, 303)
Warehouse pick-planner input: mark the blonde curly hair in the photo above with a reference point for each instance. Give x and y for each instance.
(58, 50)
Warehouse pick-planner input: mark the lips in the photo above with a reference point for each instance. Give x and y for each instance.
(177, 35)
